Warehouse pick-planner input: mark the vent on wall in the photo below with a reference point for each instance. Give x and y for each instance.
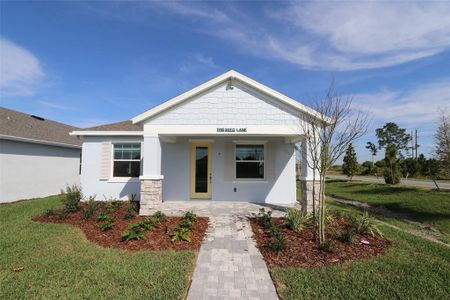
(38, 118)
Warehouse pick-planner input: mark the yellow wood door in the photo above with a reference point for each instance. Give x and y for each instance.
(201, 153)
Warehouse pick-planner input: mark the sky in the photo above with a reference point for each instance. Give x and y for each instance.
(91, 63)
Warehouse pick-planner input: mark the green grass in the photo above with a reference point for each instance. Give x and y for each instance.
(422, 205)
(59, 262)
(413, 268)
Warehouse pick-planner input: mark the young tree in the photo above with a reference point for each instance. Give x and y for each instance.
(442, 141)
(432, 169)
(391, 134)
(391, 171)
(373, 149)
(350, 165)
(327, 133)
(368, 168)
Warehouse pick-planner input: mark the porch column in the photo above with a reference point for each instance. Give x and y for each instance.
(151, 179)
(307, 183)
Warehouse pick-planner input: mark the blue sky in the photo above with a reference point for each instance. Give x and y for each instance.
(89, 63)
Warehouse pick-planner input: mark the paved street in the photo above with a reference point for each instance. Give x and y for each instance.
(418, 183)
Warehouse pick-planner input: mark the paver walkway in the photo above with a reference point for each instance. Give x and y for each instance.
(229, 265)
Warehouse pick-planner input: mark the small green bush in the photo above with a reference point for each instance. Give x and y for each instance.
(90, 209)
(106, 226)
(62, 215)
(49, 212)
(278, 243)
(132, 210)
(133, 233)
(103, 217)
(296, 219)
(326, 246)
(185, 223)
(72, 197)
(159, 216)
(147, 224)
(264, 218)
(190, 216)
(347, 236)
(364, 224)
(181, 234)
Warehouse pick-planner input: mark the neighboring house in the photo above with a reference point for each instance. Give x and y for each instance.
(229, 139)
(38, 157)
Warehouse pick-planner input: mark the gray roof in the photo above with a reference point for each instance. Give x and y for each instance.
(119, 126)
(21, 125)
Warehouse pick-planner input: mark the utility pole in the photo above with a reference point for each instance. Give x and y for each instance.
(412, 145)
(416, 146)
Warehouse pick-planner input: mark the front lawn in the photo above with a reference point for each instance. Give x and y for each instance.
(413, 268)
(422, 205)
(59, 262)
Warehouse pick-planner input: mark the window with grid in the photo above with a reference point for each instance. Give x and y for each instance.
(127, 160)
(249, 161)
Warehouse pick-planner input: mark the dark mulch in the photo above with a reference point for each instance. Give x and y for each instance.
(302, 250)
(158, 239)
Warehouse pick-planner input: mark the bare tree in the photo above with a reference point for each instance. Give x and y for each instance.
(328, 131)
(442, 140)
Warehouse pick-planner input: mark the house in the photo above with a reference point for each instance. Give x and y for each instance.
(229, 139)
(38, 157)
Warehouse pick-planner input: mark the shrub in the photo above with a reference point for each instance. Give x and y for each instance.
(347, 236)
(364, 224)
(90, 209)
(72, 197)
(49, 212)
(181, 234)
(62, 215)
(133, 233)
(132, 210)
(264, 218)
(114, 203)
(147, 224)
(277, 244)
(190, 216)
(106, 226)
(326, 247)
(104, 218)
(296, 219)
(160, 217)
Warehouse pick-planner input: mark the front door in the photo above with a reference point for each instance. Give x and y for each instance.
(201, 170)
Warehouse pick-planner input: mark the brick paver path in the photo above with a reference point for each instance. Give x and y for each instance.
(229, 265)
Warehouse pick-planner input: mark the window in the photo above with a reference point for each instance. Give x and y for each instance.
(249, 161)
(127, 160)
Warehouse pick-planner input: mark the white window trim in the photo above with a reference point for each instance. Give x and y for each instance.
(113, 179)
(249, 180)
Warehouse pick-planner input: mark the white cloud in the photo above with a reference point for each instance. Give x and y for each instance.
(413, 108)
(330, 35)
(54, 105)
(20, 70)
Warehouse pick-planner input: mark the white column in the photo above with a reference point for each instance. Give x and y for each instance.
(151, 168)
(151, 179)
(307, 179)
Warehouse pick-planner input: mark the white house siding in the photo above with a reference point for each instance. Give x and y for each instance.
(224, 106)
(91, 181)
(29, 170)
(280, 189)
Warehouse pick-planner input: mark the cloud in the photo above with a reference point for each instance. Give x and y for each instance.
(412, 108)
(329, 36)
(20, 70)
(54, 105)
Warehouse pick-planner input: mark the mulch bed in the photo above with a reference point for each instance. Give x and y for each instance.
(302, 250)
(158, 239)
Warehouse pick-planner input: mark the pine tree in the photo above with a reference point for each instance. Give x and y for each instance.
(350, 165)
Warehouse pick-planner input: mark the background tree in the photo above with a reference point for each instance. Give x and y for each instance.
(409, 167)
(442, 141)
(391, 170)
(368, 168)
(373, 149)
(391, 134)
(350, 165)
(326, 141)
(432, 169)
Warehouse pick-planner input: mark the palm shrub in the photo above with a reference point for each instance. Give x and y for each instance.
(348, 235)
(90, 209)
(364, 224)
(264, 218)
(296, 219)
(181, 233)
(391, 171)
(72, 197)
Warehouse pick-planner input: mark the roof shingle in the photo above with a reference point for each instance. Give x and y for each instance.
(21, 125)
(119, 126)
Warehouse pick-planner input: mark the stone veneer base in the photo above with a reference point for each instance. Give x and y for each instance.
(151, 195)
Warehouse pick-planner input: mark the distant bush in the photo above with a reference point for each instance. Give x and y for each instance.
(72, 197)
